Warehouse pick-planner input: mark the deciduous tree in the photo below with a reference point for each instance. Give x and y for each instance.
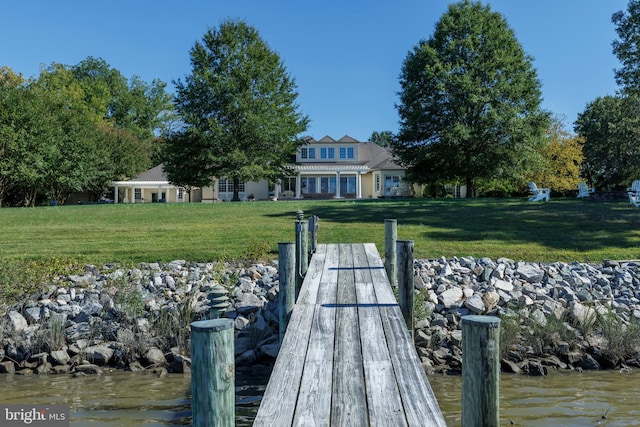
(627, 47)
(563, 159)
(610, 126)
(239, 111)
(469, 102)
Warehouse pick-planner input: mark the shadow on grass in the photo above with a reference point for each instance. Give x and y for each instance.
(575, 225)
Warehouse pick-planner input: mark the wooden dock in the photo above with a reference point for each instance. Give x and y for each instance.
(347, 358)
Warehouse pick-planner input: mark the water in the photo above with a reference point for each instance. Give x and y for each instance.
(125, 399)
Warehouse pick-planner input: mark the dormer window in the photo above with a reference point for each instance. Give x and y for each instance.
(308, 153)
(327, 153)
(346, 153)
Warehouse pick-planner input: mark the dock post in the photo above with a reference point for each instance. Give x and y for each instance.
(287, 278)
(480, 371)
(302, 250)
(212, 373)
(390, 237)
(314, 224)
(405, 281)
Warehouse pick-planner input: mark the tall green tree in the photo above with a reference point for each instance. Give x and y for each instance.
(239, 111)
(383, 139)
(627, 47)
(469, 102)
(610, 126)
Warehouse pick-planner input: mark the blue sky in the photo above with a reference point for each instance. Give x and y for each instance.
(345, 55)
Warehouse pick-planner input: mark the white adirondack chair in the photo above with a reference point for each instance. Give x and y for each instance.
(538, 193)
(583, 190)
(634, 193)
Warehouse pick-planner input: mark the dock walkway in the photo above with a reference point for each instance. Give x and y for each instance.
(347, 358)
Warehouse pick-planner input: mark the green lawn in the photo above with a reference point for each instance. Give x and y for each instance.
(560, 230)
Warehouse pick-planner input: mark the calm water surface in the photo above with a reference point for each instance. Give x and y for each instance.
(131, 399)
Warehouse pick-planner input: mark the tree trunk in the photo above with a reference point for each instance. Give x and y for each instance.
(236, 193)
(469, 184)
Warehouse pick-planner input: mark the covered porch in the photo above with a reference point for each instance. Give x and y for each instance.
(329, 181)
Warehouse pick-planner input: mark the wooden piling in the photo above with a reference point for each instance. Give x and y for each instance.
(302, 250)
(287, 280)
(314, 224)
(480, 371)
(212, 373)
(404, 249)
(390, 238)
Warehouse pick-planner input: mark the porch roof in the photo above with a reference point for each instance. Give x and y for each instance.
(330, 167)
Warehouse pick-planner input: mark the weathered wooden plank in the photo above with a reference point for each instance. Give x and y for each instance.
(385, 407)
(314, 399)
(384, 294)
(412, 381)
(329, 281)
(311, 284)
(383, 397)
(279, 400)
(349, 406)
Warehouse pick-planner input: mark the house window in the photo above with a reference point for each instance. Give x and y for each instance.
(138, 193)
(180, 193)
(328, 185)
(327, 153)
(346, 153)
(392, 185)
(308, 153)
(226, 186)
(377, 183)
(309, 185)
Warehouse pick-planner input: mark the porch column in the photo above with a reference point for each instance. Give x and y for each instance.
(133, 194)
(115, 194)
(159, 193)
(276, 189)
(298, 186)
(359, 185)
(338, 196)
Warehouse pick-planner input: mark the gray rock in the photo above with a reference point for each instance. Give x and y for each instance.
(475, 304)
(60, 357)
(99, 354)
(530, 273)
(450, 297)
(155, 356)
(17, 322)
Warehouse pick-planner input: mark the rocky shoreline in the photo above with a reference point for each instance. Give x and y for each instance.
(554, 316)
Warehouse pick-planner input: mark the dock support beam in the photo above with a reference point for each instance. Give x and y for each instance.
(390, 237)
(404, 250)
(287, 285)
(480, 371)
(212, 373)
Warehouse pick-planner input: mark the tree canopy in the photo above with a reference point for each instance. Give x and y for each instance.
(238, 110)
(469, 103)
(610, 126)
(627, 47)
(74, 128)
(563, 158)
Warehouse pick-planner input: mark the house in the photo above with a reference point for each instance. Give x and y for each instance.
(324, 169)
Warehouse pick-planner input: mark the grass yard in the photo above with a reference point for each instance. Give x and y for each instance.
(560, 230)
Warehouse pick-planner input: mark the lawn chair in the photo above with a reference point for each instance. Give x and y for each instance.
(634, 193)
(538, 193)
(583, 190)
